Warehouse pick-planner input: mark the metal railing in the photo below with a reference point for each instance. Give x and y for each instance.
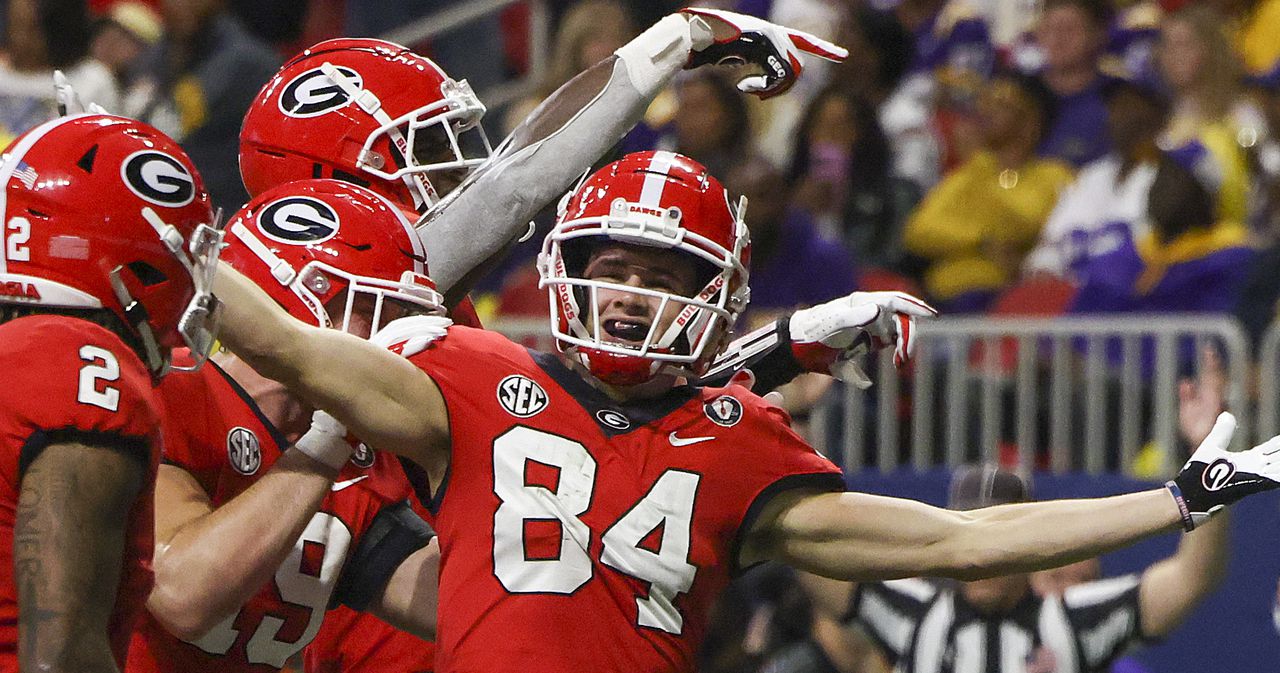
(455, 16)
(1087, 393)
(1075, 394)
(1269, 383)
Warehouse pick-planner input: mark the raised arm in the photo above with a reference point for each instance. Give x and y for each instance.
(583, 119)
(381, 397)
(68, 551)
(1172, 588)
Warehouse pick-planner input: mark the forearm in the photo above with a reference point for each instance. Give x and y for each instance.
(543, 157)
(1172, 588)
(859, 537)
(765, 351)
(381, 398)
(214, 564)
(68, 555)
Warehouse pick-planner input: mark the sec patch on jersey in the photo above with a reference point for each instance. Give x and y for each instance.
(521, 396)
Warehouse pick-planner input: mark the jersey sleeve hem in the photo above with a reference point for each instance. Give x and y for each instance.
(137, 446)
(818, 481)
(395, 534)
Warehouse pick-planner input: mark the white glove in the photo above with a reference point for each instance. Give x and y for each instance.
(827, 337)
(326, 441)
(411, 335)
(776, 49)
(1215, 477)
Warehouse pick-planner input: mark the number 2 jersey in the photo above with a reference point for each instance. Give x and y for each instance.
(578, 534)
(220, 436)
(70, 381)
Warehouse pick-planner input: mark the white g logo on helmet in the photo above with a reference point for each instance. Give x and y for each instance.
(298, 220)
(158, 178)
(312, 93)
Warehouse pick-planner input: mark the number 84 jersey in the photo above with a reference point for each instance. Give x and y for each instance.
(582, 535)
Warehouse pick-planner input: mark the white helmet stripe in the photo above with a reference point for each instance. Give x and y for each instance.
(656, 180)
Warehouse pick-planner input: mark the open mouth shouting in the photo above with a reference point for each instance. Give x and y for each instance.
(627, 330)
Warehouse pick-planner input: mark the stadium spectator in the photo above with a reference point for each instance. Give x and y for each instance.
(880, 53)
(709, 123)
(123, 35)
(1105, 208)
(197, 86)
(840, 165)
(1198, 65)
(952, 38)
(1072, 34)
(1189, 262)
(1256, 24)
(42, 37)
(784, 241)
(1132, 39)
(975, 226)
(588, 33)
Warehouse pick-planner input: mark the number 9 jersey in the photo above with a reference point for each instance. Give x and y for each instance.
(579, 534)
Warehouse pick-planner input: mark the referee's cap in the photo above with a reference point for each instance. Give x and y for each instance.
(977, 486)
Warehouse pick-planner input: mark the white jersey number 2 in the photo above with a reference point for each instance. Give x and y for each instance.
(667, 506)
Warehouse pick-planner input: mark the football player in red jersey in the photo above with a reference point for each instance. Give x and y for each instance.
(373, 113)
(258, 538)
(102, 220)
(590, 507)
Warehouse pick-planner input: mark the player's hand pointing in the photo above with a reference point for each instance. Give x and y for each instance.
(746, 40)
(827, 338)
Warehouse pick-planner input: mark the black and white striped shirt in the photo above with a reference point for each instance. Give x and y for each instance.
(924, 627)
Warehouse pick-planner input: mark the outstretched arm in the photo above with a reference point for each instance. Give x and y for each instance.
(864, 537)
(68, 550)
(583, 119)
(854, 536)
(378, 395)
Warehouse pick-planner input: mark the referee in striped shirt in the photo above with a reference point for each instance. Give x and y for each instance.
(1000, 625)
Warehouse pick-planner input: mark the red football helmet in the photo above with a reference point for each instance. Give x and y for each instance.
(102, 212)
(309, 242)
(365, 111)
(652, 199)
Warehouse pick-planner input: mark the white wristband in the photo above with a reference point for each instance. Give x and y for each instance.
(654, 57)
(326, 441)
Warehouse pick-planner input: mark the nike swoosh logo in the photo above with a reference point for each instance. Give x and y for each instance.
(338, 486)
(677, 441)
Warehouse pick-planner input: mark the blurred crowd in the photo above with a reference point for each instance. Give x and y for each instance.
(1005, 156)
(997, 156)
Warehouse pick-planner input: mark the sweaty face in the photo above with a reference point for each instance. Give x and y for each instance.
(627, 317)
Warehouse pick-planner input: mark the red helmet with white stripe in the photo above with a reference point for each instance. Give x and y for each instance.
(366, 111)
(103, 212)
(312, 242)
(656, 200)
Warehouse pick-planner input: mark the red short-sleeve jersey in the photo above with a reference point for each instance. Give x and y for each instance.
(218, 434)
(69, 380)
(578, 534)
